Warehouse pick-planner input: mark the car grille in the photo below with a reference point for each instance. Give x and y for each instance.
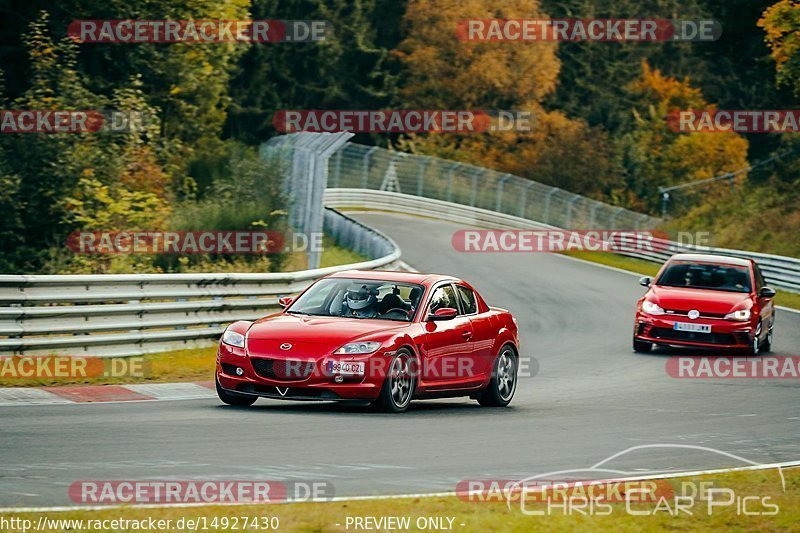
(690, 336)
(679, 312)
(289, 393)
(283, 369)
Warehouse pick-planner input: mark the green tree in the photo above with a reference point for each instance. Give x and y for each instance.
(654, 155)
(351, 69)
(781, 22)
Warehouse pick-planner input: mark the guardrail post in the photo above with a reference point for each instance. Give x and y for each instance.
(421, 178)
(337, 167)
(365, 167)
(450, 182)
(575, 198)
(474, 190)
(592, 214)
(498, 205)
(614, 217)
(547, 197)
(523, 200)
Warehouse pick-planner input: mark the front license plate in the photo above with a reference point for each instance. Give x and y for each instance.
(694, 328)
(349, 368)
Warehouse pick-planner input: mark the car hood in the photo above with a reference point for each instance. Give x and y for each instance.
(704, 300)
(311, 336)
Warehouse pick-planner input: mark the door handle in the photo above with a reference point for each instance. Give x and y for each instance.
(466, 334)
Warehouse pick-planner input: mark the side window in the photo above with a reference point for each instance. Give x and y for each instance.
(760, 282)
(467, 298)
(443, 297)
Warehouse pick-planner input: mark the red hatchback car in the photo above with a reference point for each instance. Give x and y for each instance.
(383, 337)
(706, 301)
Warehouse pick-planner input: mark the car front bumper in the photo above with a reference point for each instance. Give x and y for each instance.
(256, 378)
(725, 334)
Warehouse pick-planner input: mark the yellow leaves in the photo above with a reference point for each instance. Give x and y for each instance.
(95, 206)
(781, 22)
(447, 73)
(666, 92)
(706, 155)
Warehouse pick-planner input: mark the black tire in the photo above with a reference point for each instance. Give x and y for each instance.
(755, 344)
(398, 385)
(642, 346)
(766, 346)
(231, 398)
(501, 388)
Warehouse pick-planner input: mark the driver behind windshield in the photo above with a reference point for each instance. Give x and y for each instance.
(360, 302)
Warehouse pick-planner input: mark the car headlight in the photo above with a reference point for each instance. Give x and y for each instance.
(651, 308)
(354, 348)
(741, 314)
(233, 339)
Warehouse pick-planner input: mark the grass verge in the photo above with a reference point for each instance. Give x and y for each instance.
(762, 486)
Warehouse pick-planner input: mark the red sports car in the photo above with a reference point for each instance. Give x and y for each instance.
(383, 337)
(706, 301)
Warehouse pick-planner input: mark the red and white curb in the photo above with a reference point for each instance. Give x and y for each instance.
(82, 394)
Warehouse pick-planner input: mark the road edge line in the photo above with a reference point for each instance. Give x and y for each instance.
(72, 508)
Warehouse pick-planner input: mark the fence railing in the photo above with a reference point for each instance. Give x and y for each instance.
(781, 272)
(110, 315)
(369, 167)
(113, 315)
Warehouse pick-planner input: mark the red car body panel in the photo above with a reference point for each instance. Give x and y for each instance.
(712, 305)
(456, 356)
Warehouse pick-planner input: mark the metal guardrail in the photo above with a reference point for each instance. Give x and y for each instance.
(122, 314)
(114, 315)
(371, 167)
(781, 272)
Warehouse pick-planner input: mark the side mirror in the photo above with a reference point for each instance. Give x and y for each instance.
(767, 292)
(285, 301)
(645, 281)
(445, 313)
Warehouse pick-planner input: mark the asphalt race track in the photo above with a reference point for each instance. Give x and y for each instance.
(592, 397)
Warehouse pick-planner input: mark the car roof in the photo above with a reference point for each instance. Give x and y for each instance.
(710, 258)
(392, 275)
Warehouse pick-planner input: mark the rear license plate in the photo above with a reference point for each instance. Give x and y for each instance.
(694, 328)
(348, 368)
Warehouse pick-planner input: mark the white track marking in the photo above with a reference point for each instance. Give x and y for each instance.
(29, 396)
(172, 391)
(787, 464)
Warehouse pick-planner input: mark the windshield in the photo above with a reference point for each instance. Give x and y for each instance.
(359, 298)
(713, 276)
